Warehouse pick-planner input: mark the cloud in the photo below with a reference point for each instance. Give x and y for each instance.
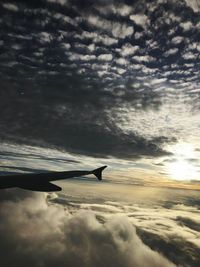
(122, 61)
(105, 57)
(189, 55)
(170, 52)
(188, 222)
(67, 46)
(37, 229)
(35, 232)
(127, 49)
(186, 25)
(194, 5)
(140, 19)
(160, 122)
(61, 2)
(45, 37)
(118, 30)
(145, 58)
(176, 248)
(75, 57)
(67, 43)
(11, 7)
(98, 38)
(177, 39)
(120, 9)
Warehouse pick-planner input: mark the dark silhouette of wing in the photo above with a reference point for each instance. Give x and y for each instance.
(41, 181)
(42, 187)
(98, 172)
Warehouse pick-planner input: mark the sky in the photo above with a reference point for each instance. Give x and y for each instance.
(105, 79)
(91, 83)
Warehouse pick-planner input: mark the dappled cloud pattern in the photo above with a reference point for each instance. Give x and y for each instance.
(102, 76)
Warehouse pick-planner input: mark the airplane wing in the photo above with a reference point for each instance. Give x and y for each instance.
(41, 181)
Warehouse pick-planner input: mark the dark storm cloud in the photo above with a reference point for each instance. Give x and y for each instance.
(36, 233)
(64, 64)
(91, 134)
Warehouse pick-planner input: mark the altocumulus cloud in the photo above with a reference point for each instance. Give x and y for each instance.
(67, 64)
(36, 233)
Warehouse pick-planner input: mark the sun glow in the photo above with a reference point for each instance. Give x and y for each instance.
(182, 170)
(182, 165)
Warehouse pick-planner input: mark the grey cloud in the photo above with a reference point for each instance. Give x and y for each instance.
(175, 248)
(120, 9)
(105, 57)
(118, 30)
(45, 37)
(140, 19)
(122, 61)
(11, 7)
(177, 39)
(127, 49)
(192, 224)
(61, 2)
(170, 52)
(98, 38)
(76, 122)
(194, 5)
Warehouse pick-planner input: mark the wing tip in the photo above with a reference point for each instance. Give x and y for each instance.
(98, 172)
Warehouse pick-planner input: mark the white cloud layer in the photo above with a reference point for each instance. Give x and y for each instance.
(36, 233)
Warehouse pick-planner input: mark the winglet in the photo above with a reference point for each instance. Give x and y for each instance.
(98, 172)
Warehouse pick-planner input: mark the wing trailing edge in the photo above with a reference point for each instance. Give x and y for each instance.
(41, 187)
